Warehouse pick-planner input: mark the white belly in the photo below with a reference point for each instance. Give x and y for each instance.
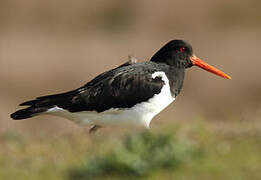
(139, 115)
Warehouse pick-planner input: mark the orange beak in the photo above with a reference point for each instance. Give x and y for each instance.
(198, 62)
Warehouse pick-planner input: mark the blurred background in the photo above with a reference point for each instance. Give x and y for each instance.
(54, 46)
(50, 47)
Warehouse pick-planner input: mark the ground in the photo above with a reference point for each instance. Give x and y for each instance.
(202, 150)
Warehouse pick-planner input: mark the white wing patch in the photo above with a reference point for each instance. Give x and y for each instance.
(139, 115)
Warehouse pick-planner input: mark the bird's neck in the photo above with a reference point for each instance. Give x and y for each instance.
(176, 78)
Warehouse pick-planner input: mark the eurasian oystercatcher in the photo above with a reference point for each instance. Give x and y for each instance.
(129, 95)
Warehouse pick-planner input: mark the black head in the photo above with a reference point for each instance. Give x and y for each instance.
(175, 53)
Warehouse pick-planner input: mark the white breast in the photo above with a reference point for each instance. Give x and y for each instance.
(139, 115)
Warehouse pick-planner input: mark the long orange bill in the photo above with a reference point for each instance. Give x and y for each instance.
(198, 62)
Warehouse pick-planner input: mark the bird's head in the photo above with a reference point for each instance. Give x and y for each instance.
(179, 53)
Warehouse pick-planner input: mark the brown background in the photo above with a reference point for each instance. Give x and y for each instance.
(54, 46)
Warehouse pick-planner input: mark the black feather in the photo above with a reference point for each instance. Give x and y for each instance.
(29, 103)
(27, 113)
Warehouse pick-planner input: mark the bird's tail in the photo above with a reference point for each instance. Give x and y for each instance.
(28, 112)
(43, 104)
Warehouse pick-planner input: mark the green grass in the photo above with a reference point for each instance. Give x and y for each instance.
(198, 150)
(137, 156)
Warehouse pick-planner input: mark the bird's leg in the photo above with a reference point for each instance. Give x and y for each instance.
(94, 128)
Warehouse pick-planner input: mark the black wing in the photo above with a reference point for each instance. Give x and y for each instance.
(69, 94)
(122, 88)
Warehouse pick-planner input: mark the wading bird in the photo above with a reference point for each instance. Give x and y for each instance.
(129, 95)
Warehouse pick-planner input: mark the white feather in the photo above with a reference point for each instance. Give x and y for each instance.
(139, 115)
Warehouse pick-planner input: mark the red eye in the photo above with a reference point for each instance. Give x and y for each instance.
(182, 49)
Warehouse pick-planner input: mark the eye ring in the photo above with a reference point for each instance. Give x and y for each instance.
(182, 49)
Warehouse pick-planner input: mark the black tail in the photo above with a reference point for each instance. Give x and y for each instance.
(42, 104)
(27, 112)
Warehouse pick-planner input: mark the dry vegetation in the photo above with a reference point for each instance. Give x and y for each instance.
(196, 150)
